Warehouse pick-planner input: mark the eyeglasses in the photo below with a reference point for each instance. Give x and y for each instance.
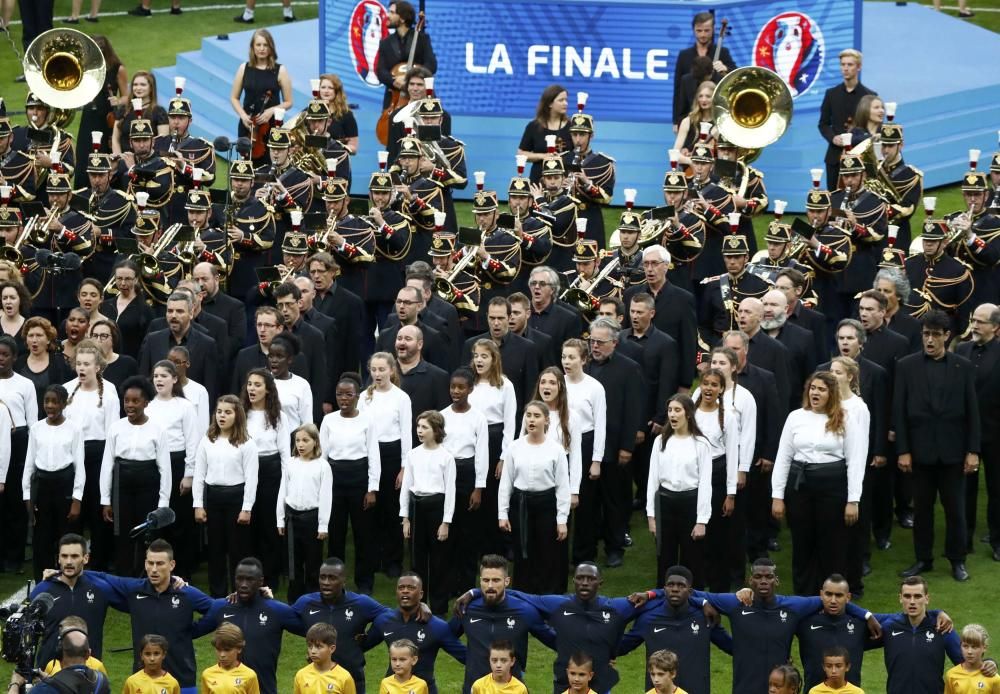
(538, 283)
(651, 263)
(101, 336)
(404, 302)
(596, 341)
(272, 326)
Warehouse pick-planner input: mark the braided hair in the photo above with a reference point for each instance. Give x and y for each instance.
(394, 377)
(721, 402)
(90, 347)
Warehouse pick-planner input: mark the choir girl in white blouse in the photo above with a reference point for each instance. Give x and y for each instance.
(14, 392)
(225, 488)
(467, 438)
(679, 491)
(426, 505)
(294, 391)
(135, 472)
(53, 480)
(194, 392)
(494, 396)
(93, 406)
(179, 419)
(534, 500)
(588, 407)
(268, 427)
(817, 481)
(349, 441)
(389, 407)
(303, 511)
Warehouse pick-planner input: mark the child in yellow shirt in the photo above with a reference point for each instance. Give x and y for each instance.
(579, 674)
(662, 666)
(403, 655)
(322, 674)
(836, 664)
(968, 677)
(500, 680)
(229, 675)
(152, 679)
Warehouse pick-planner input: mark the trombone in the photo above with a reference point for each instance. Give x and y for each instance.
(149, 266)
(445, 286)
(583, 300)
(13, 253)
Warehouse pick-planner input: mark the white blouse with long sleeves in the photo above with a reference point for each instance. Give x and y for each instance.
(18, 394)
(306, 485)
(535, 468)
(92, 413)
(739, 402)
(296, 399)
(429, 472)
(467, 435)
(221, 464)
(724, 440)
(145, 441)
(804, 438)
(499, 405)
(270, 440)
(52, 448)
(685, 463)
(179, 419)
(392, 415)
(352, 438)
(197, 394)
(588, 406)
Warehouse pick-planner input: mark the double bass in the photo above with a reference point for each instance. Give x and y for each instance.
(399, 98)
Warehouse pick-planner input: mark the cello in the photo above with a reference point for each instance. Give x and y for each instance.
(398, 98)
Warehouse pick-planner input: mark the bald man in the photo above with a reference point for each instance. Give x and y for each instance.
(425, 383)
(222, 305)
(800, 342)
(984, 353)
(763, 350)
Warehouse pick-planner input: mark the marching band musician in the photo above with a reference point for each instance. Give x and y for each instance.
(716, 204)
(392, 242)
(553, 195)
(831, 251)
(38, 138)
(450, 171)
(907, 180)
(781, 252)
(593, 176)
(532, 225)
(251, 229)
(498, 257)
(16, 169)
(112, 214)
(686, 234)
(418, 197)
(629, 252)
(157, 283)
(588, 262)
(994, 202)
(292, 187)
(944, 282)
(722, 295)
(11, 227)
(335, 155)
(466, 299)
(184, 153)
(211, 245)
(749, 196)
(147, 172)
(350, 239)
(977, 243)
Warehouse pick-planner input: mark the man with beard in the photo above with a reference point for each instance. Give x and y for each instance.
(792, 284)
(798, 342)
(409, 304)
(703, 25)
(417, 85)
(397, 46)
(180, 331)
(765, 351)
(222, 305)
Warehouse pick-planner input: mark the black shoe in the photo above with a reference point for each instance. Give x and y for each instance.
(985, 539)
(140, 11)
(866, 569)
(917, 568)
(996, 555)
(906, 521)
(773, 546)
(70, 20)
(288, 18)
(959, 572)
(92, 20)
(628, 540)
(966, 13)
(176, 10)
(615, 560)
(240, 19)
(883, 544)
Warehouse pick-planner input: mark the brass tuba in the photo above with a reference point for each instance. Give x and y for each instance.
(309, 159)
(752, 108)
(445, 287)
(65, 69)
(876, 178)
(149, 264)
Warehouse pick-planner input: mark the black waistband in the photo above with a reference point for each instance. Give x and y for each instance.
(294, 513)
(56, 475)
(719, 463)
(19, 430)
(465, 462)
(800, 470)
(496, 426)
(128, 462)
(427, 499)
(539, 494)
(269, 458)
(670, 494)
(359, 462)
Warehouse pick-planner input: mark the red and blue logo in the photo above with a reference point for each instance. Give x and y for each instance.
(368, 28)
(791, 44)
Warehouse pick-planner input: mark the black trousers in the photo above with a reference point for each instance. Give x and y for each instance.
(815, 512)
(135, 492)
(718, 554)
(36, 16)
(930, 481)
(859, 536)
(350, 483)
(990, 459)
(640, 467)
(51, 497)
(538, 554)
(466, 528)
(12, 509)
(757, 512)
(305, 552)
(91, 514)
(676, 515)
(616, 503)
(267, 544)
(182, 534)
(902, 490)
(493, 541)
(429, 557)
(228, 541)
(587, 516)
(388, 530)
(882, 483)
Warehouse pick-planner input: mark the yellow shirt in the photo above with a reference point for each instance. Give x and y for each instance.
(677, 690)
(93, 663)
(589, 691)
(848, 688)
(487, 685)
(141, 683)
(309, 680)
(414, 685)
(239, 680)
(958, 680)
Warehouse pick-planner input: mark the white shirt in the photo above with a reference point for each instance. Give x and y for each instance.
(18, 394)
(467, 435)
(5, 427)
(352, 438)
(196, 393)
(589, 407)
(428, 472)
(296, 400)
(574, 453)
(393, 416)
(535, 468)
(221, 464)
(857, 410)
(305, 485)
(270, 440)
(93, 414)
(723, 440)
(52, 448)
(739, 402)
(806, 439)
(684, 464)
(179, 419)
(499, 405)
(136, 442)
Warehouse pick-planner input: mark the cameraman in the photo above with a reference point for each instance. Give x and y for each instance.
(74, 677)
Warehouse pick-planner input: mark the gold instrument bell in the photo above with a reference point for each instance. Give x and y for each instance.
(752, 107)
(64, 68)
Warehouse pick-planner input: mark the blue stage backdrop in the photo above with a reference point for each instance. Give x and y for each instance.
(494, 59)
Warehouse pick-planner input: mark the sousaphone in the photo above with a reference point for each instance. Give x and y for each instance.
(64, 68)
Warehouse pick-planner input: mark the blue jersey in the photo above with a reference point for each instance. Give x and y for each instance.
(89, 599)
(914, 655)
(429, 637)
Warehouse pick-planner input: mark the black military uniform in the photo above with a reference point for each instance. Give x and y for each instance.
(448, 155)
(218, 250)
(867, 234)
(599, 168)
(829, 259)
(907, 184)
(392, 243)
(723, 294)
(583, 296)
(159, 278)
(464, 292)
(113, 216)
(192, 159)
(993, 203)
(979, 248)
(535, 232)
(255, 219)
(718, 205)
(427, 197)
(335, 157)
(150, 174)
(942, 281)
(685, 235)
(629, 261)
(563, 208)
(17, 170)
(749, 184)
(48, 138)
(504, 258)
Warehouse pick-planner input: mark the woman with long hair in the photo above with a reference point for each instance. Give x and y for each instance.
(263, 82)
(550, 120)
(21, 406)
(343, 127)
(117, 367)
(390, 409)
(224, 491)
(39, 363)
(77, 325)
(294, 392)
(690, 128)
(679, 491)
(143, 86)
(817, 479)
(128, 308)
(15, 307)
(88, 297)
(868, 117)
(268, 427)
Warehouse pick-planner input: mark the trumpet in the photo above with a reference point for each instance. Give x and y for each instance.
(186, 253)
(583, 300)
(40, 235)
(267, 288)
(965, 225)
(446, 289)
(13, 253)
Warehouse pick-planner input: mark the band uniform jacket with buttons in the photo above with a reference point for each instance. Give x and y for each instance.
(591, 200)
(563, 209)
(257, 221)
(943, 283)
(721, 298)
(981, 257)
(868, 236)
(113, 217)
(427, 198)
(909, 184)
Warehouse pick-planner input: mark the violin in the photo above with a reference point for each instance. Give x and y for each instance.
(258, 133)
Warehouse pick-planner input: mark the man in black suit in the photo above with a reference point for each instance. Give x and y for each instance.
(792, 284)
(180, 331)
(764, 351)
(409, 302)
(343, 306)
(426, 384)
(892, 283)
(202, 321)
(798, 341)
(703, 24)
(614, 308)
(268, 323)
(548, 314)
(549, 353)
(984, 353)
(836, 113)
(333, 338)
(936, 416)
(419, 274)
(395, 48)
(675, 310)
(287, 298)
(221, 305)
(621, 378)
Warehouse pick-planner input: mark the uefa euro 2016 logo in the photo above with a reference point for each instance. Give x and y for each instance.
(791, 44)
(368, 28)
